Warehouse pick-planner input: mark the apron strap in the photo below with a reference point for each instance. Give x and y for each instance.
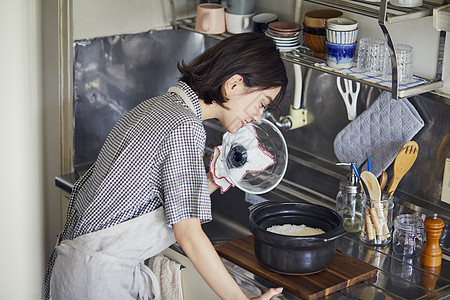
(183, 96)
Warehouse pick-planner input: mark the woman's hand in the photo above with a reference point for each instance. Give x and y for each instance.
(211, 185)
(270, 293)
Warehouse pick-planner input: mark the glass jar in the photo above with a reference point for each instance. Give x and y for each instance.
(377, 221)
(409, 235)
(349, 206)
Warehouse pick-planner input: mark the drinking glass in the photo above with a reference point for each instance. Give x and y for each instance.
(372, 54)
(405, 59)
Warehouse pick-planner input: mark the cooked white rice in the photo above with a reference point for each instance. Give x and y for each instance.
(295, 230)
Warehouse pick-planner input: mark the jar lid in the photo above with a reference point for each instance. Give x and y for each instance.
(353, 189)
(408, 222)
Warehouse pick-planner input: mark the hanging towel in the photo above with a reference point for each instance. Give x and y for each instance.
(252, 157)
(378, 133)
(168, 273)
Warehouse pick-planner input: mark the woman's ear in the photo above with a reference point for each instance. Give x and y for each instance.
(234, 85)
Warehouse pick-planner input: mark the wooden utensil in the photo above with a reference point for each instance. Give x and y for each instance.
(383, 180)
(432, 252)
(372, 185)
(376, 211)
(403, 162)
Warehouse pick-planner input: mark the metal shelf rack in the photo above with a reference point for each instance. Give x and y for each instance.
(385, 13)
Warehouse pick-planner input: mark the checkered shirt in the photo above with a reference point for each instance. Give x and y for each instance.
(153, 156)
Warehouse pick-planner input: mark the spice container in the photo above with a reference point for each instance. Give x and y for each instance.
(349, 203)
(409, 235)
(432, 252)
(377, 221)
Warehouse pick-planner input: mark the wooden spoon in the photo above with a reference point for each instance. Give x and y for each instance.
(372, 185)
(383, 180)
(403, 162)
(376, 211)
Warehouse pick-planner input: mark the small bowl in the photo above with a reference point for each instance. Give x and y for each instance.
(342, 24)
(340, 56)
(315, 42)
(318, 18)
(341, 37)
(318, 31)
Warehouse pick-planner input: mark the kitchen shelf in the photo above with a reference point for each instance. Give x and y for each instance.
(394, 14)
(308, 61)
(303, 56)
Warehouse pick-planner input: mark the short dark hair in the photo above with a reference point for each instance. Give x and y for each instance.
(254, 56)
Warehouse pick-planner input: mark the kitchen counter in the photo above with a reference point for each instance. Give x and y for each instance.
(397, 278)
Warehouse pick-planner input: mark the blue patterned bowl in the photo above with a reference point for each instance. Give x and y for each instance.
(340, 56)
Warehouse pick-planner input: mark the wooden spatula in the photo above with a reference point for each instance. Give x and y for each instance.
(403, 162)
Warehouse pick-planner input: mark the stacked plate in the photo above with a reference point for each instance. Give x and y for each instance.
(285, 34)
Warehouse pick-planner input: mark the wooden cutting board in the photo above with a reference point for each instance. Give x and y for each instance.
(344, 271)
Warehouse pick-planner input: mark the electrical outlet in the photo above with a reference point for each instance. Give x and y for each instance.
(445, 195)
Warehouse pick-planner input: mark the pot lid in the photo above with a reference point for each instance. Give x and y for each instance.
(255, 157)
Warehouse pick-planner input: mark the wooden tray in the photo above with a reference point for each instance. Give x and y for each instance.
(344, 271)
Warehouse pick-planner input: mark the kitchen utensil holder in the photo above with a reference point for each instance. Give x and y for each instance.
(377, 221)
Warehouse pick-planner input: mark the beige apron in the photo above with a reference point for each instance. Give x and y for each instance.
(109, 263)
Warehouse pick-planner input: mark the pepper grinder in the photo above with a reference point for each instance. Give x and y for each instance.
(432, 252)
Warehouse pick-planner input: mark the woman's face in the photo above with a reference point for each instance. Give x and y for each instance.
(245, 106)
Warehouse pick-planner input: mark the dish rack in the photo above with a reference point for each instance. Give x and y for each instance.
(386, 14)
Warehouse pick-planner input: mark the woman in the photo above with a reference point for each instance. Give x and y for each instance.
(148, 187)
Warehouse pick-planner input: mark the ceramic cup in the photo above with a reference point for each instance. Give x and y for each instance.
(262, 21)
(340, 56)
(239, 7)
(407, 3)
(238, 23)
(210, 18)
(342, 37)
(341, 31)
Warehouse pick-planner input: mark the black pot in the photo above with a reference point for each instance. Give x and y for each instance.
(294, 254)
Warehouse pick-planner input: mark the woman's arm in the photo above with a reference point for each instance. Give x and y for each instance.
(198, 248)
(211, 185)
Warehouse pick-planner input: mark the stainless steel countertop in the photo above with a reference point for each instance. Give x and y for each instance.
(397, 278)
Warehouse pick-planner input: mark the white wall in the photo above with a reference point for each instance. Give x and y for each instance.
(93, 18)
(21, 177)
